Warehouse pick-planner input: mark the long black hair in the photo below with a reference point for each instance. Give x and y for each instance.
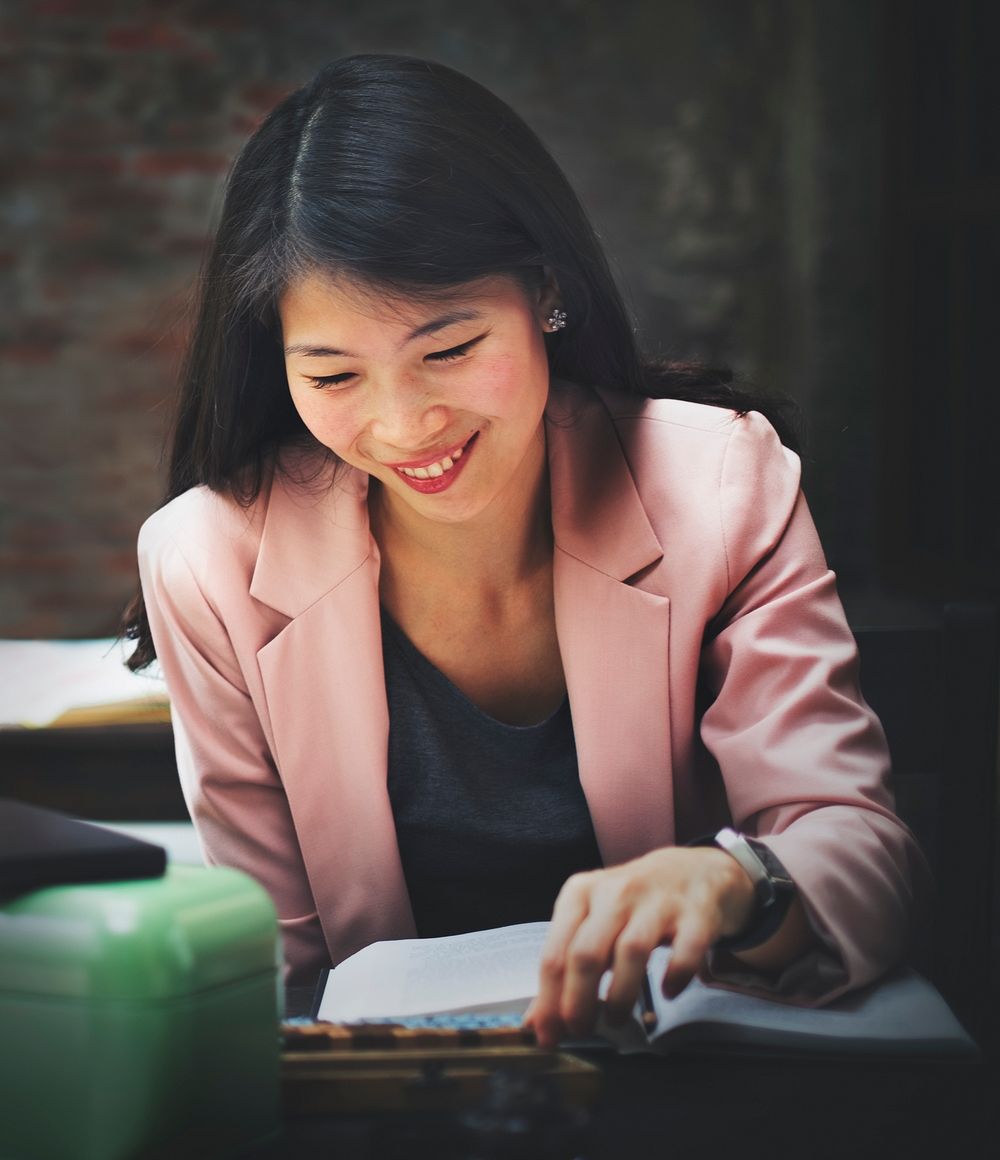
(408, 177)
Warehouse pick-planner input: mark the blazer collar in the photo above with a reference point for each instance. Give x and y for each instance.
(316, 531)
(597, 515)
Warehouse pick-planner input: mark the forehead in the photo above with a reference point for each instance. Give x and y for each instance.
(324, 299)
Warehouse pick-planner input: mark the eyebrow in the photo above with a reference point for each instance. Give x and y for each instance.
(436, 324)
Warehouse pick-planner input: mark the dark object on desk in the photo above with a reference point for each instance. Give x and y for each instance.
(935, 688)
(44, 848)
(113, 773)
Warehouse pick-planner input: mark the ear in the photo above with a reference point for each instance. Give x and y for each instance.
(548, 296)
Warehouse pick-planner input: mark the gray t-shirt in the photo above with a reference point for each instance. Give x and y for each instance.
(490, 818)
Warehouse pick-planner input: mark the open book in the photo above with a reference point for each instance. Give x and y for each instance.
(496, 972)
(64, 683)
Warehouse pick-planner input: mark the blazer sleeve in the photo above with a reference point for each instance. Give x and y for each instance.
(803, 757)
(232, 788)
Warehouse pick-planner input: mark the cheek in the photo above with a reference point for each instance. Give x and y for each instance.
(327, 420)
(511, 384)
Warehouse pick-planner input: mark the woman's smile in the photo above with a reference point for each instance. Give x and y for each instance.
(438, 474)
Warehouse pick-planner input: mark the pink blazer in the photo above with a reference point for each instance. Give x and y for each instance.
(687, 571)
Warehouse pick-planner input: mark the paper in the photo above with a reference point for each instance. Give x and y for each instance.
(903, 1011)
(497, 971)
(490, 970)
(40, 680)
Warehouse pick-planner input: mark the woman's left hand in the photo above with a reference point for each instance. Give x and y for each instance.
(685, 896)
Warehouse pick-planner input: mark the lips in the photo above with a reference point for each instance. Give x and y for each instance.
(428, 475)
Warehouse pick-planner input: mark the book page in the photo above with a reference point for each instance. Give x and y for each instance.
(489, 970)
(903, 1013)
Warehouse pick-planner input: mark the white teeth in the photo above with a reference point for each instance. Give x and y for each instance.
(433, 470)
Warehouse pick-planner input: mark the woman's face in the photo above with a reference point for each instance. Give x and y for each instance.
(441, 402)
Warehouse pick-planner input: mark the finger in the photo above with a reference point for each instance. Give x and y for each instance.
(589, 955)
(587, 958)
(644, 930)
(571, 909)
(695, 933)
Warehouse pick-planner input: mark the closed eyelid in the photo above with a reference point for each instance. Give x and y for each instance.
(461, 348)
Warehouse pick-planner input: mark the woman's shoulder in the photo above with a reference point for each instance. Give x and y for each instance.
(684, 422)
(683, 442)
(208, 526)
(697, 467)
(202, 520)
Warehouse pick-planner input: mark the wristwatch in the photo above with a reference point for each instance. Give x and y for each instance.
(772, 885)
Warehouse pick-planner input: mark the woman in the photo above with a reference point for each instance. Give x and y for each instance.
(467, 613)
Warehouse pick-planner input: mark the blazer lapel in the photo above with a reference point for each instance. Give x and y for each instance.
(325, 689)
(613, 635)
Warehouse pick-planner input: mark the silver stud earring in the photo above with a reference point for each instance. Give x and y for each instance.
(557, 320)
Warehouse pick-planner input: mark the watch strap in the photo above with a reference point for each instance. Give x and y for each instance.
(772, 884)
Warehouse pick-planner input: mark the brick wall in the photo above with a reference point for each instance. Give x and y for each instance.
(674, 119)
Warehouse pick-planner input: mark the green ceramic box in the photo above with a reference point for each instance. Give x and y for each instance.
(139, 1018)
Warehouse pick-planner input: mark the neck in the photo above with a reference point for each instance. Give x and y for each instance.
(503, 546)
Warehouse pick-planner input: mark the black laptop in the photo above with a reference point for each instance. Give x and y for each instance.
(40, 847)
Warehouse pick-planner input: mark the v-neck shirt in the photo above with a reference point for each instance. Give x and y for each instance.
(490, 818)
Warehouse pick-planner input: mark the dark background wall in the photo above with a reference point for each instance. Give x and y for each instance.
(741, 158)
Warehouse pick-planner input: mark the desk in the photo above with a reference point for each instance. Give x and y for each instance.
(679, 1107)
(115, 773)
(650, 1107)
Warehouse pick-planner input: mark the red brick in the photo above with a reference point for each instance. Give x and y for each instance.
(146, 37)
(79, 229)
(122, 563)
(99, 133)
(167, 163)
(50, 565)
(27, 352)
(117, 198)
(81, 8)
(38, 626)
(264, 96)
(84, 164)
(58, 290)
(244, 125)
(191, 245)
(161, 341)
(36, 537)
(218, 15)
(185, 130)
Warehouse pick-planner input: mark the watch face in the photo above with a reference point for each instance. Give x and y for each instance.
(776, 872)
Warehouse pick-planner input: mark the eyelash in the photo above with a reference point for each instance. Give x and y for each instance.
(450, 355)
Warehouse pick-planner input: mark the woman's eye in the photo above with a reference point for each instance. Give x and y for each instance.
(454, 351)
(330, 380)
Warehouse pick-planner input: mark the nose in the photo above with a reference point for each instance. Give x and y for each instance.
(406, 418)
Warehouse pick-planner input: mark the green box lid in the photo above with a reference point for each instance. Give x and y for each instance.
(154, 938)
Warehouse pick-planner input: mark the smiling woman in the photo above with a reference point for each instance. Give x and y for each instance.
(410, 411)
(469, 615)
